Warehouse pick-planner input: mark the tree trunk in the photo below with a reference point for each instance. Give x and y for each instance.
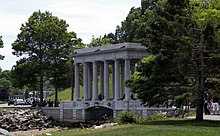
(41, 91)
(199, 109)
(41, 78)
(56, 93)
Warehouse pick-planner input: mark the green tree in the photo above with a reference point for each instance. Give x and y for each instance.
(169, 31)
(206, 13)
(102, 41)
(133, 28)
(5, 84)
(170, 36)
(183, 40)
(24, 74)
(45, 42)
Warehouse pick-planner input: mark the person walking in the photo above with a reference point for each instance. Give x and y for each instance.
(215, 105)
(206, 107)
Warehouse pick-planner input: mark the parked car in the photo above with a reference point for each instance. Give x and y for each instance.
(19, 102)
(28, 102)
(11, 101)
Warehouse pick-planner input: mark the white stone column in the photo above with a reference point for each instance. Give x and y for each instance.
(95, 82)
(89, 82)
(101, 79)
(113, 80)
(132, 68)
(106, 80)
(77, 84)
(117, 80)
(122, 80)
(85, 81)
(132, 72)
(127, 76)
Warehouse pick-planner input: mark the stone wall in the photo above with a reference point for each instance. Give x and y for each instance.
(74, 111)
(52, 111)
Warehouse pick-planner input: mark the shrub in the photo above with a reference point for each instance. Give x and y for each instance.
(157, 116)
(192, 113)
(127, 117)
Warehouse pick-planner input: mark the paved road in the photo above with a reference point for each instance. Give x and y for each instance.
(208, 117)
(211, 117)
(12, 106)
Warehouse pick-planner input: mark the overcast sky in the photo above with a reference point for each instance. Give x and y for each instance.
(85, 17)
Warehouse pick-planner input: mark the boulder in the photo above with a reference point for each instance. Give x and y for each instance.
(5, 132)
(24, 120)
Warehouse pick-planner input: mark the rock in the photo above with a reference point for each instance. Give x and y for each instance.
(5, 132)
(35, 114)
(103, 125)
(24, 120)
(21, 112)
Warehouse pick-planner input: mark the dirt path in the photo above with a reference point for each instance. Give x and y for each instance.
(34, 132)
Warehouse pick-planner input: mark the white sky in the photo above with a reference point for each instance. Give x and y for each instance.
(85, 17)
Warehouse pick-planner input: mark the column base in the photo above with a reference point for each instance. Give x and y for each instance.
(77, 100)
(116, 99)
(95, 99)
(105, 99)
(127, 99)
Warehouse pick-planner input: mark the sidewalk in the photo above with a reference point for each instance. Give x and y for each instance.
(12, 106)
(208, 117)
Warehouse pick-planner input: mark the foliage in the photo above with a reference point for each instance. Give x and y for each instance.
(5, 84)
(183, 37)
(102, 41)
(126, 117)
(206, 14)
(24, 73)
(133, 28)
(45, 45)
(5, 79)
(168, 40)
(192, 113)
(157, 116)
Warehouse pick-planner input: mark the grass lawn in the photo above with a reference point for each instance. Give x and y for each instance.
(7, 109)
(155, 128)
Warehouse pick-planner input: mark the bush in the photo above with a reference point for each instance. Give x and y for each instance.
(127, 117)
(157, 116)
(192, 113)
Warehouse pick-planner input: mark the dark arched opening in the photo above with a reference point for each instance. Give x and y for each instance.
(98, 113)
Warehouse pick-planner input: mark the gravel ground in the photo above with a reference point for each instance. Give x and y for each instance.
(34, 132)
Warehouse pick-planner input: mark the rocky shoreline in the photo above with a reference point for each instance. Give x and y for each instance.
(22, 120)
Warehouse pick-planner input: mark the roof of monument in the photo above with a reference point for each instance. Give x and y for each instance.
(110, 52)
